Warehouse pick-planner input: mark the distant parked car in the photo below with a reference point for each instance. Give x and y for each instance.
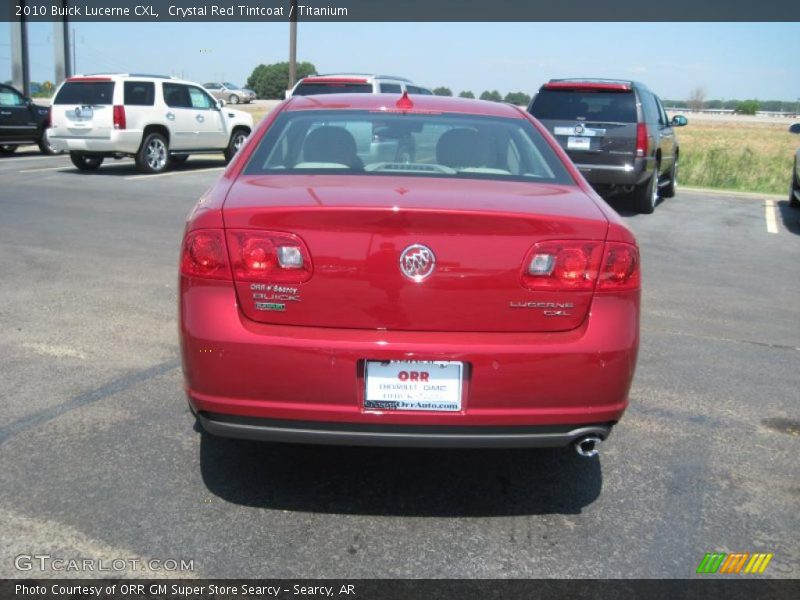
(22, 122)
(230, 92)
(356, 83)
(157, 120)
(617, 133)
(794, 193)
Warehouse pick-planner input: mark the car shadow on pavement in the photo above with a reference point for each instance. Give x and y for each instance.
(399, 481)
(790, 216)
(127, 168)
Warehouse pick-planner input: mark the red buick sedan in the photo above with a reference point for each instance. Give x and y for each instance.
(425, 271)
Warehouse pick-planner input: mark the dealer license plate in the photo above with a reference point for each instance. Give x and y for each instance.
(578, 143)
(413, 385)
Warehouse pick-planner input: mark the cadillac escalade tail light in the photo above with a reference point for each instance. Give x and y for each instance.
(641, 139)
(119, 117)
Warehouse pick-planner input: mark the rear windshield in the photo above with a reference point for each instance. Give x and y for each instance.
(608, 107)
(310, 89)
(88, 93)
(433, 145)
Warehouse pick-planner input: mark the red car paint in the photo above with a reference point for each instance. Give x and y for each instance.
(303, 369)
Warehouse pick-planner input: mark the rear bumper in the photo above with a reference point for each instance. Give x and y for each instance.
(236, 369)
(632, 173)
(119, 142)
(425, 436)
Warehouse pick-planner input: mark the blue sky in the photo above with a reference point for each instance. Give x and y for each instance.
(729, 60)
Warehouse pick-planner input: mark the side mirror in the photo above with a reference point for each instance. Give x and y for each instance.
(794, 128)
(679, 121)
(220, 103)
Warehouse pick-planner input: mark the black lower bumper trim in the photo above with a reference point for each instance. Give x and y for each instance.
(421, 436)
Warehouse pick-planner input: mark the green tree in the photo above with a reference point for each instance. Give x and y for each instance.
(518, 98)
(271, 81)
(493, 96)
(466, 94)
(747, 107)
(442, 91)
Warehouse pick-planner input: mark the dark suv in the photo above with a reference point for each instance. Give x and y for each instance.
(616, 132)
(22, 122)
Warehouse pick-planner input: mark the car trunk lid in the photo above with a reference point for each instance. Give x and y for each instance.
(83, 108)
(357, 228)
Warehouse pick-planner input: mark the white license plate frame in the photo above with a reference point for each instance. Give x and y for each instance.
(425, 386)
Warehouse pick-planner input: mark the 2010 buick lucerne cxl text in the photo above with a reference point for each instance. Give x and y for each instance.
(425, 271)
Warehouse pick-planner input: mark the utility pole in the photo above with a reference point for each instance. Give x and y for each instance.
(292, 43)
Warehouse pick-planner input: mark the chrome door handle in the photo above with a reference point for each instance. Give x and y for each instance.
(171, 116)
(3, 112)
(200, 118)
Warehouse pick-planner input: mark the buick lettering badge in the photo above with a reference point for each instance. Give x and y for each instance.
(417, 262)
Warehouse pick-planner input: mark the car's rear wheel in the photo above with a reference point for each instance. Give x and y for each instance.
(233, 99)
(45, 147)
(85, 162)
(238, 138)
(668, 191)
(153, 155)
(794, 191)
(645, 195)
(8, 148)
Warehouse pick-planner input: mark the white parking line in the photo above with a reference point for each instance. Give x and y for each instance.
(769, 214)
(173, 173)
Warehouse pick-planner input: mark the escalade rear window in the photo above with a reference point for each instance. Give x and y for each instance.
(87, 93)
(140, 93)
(310, 89)
(566, 105)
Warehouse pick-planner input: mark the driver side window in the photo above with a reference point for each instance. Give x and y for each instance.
(9, 97)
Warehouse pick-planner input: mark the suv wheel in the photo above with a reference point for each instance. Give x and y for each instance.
(8, 148)
(238, 138)
(85, 162)
(153, 155)
(668, 191)
(794, 191)
(645, 196)
(233, 99)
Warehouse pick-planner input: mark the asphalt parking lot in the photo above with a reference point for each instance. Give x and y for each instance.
(99, 458)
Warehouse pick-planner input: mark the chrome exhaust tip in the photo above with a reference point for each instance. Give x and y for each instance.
(587, 446)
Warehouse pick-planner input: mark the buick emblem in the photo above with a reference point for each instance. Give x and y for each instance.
(417, 262)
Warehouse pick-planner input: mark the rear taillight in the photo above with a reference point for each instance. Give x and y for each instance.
(576, 265)
(204, 255)
(641, 139)
(48, 122)
(268, 256)
(119, 117)
(561, 266)
(620, 269)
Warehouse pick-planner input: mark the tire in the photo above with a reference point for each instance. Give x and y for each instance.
(668, 191)
(85, 162)
(45, 147)
(233, 99)
(238, 138)
(153, 154)
(794, 190)
(178, 159)
(645, 196)
(8, 148)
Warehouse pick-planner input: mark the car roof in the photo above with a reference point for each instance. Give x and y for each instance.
(121, 76)
(363, 75)
(388, 102)
(598, 80)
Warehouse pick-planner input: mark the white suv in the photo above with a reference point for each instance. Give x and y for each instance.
(355, 83)
(156, 120)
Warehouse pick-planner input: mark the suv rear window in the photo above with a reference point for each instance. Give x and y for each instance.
(565, 105)
(309, 89)
(380, 144)
(86, 93)
(140, 93)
